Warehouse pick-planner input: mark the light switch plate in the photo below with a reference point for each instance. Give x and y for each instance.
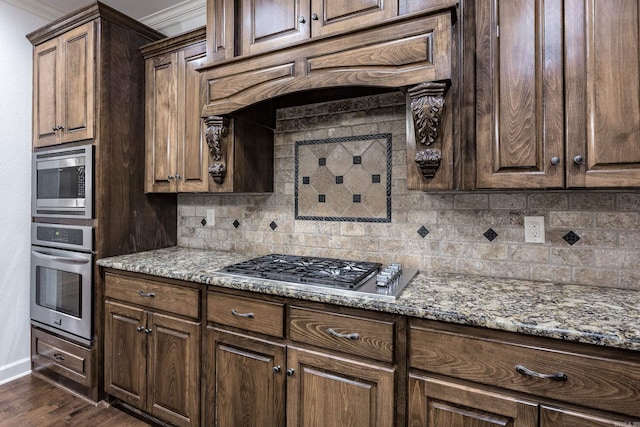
(534, 229)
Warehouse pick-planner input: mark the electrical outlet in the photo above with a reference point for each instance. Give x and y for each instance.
(534, 229)
(211, 217)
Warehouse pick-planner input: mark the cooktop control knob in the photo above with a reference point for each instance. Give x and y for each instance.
(389, 275)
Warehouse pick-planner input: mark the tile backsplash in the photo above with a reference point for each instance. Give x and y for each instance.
(592, 237)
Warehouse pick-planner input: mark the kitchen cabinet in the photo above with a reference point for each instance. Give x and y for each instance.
(64, 87)
(335, 368)
(268, 25)
(176, 154)
(463, 373)
(558, 103)
(152, 359)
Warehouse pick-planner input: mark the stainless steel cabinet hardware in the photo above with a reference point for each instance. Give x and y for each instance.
(277, 369)
(147, 331)
(147, 294)
(558, 376)
(58, 356)
(301, 19)
(237, 314)
(555, 160)
(351, 336)
(290, 372)
(578, 159)
(314, 16)
(140, 328)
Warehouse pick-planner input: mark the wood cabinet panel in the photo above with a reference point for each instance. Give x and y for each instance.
(435, 403)
(349, 334)
(249, 314)
(326, 390)
(246, 381)
(45, 93)
(603, 92)
(174, 370)
(519, 91)
(334, 16)
(593, 382)
(125, 374)
(179, 300)
(559, 417)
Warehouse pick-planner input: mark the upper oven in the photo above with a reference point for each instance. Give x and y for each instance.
(62, 183)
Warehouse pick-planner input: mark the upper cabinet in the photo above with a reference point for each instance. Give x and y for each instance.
(557, 94)
(176, 155)
(63, 87)
(268, 24)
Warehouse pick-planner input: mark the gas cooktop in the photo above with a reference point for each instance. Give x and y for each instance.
(336, 274)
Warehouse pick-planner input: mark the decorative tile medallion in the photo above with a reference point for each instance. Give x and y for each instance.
(423, 231)
(344, 179)
(236, 223)
(490, 234)
(273, 225)
(203, 222)
(571, 238)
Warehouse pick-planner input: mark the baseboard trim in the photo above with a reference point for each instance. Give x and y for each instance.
(15, 370)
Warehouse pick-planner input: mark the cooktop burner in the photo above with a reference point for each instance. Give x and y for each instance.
(307, 270)
(342, 276)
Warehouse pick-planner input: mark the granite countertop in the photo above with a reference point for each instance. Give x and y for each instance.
(586, 314)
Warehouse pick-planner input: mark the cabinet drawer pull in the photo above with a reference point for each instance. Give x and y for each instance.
(351, 336)
(237, 314)
(58, 356)
(147, 294)
(140, 328)
(558, 376)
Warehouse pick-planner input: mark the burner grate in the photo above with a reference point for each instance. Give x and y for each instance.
(308, 270)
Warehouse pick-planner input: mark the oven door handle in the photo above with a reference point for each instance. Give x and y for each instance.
(70, 260)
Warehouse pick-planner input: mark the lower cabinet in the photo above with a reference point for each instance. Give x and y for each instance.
(253, 380)
(152, 359)
(467, 376)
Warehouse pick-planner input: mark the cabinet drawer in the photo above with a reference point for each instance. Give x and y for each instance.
(63, 357)
(160, 296)
(595, 381)
(350, 334)
(246, 313)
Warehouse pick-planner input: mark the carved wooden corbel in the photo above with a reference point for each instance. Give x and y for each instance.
(217, 127)
(427, 106)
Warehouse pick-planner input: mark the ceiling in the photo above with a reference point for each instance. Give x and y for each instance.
(154, 13)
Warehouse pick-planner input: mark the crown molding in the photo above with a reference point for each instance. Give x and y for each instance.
(37, 8)
(176, 14)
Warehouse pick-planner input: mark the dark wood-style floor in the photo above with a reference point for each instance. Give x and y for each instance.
(32, 402)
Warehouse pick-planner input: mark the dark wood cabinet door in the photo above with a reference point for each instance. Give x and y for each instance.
(557, 417)
(271, 24)
(45, 93)
(519, 93)
(326, 390)
(245, 381)
(192, 161)
(161, 128)
(603, 92)
(332, 16)
(173, 369)
(125, 354)
(76, 80)
(439, 403)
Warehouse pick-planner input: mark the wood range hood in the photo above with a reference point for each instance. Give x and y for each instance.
(411, 53)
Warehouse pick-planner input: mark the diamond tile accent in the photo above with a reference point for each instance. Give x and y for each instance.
(490, 235)
(273, 225)
(423, 231)
(375, 179)
(305, 180)
(236, 223)
(322, 161)
(357, 198)
(339, 179)
(571, 238)
(357, 160)
(322, 198)
(203, 222)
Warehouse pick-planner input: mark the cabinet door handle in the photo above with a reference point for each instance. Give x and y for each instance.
(301, 19)
(351, 336)
(314, 16)
(170, 177)
(558, 376)
(290, 372)
(58, 356)
(140, 328)
(578, 159)
(178, 175)
(555, 160)
(147, 331)
(147, 294)
(237, 314)
(277, 369)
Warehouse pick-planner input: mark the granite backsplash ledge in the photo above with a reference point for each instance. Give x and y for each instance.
(592, 237)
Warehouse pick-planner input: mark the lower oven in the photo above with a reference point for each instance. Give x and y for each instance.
(61, 279)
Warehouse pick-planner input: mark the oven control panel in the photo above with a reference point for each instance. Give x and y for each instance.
(75, 237)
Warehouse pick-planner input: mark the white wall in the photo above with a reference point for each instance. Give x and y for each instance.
(15, 191)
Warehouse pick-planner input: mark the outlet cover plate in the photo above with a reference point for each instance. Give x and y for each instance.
(534, 229)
